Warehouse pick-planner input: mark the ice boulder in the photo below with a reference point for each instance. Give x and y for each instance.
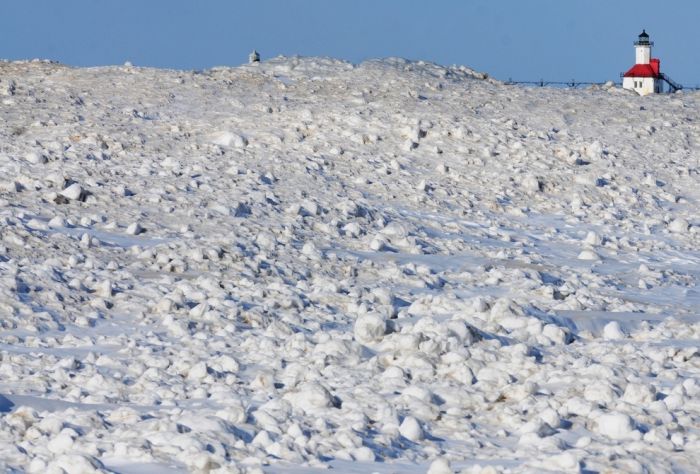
(588, 254)
(369, 328)
(593, 238)
(639, 394)
(411, 429)
(309, 397)
(678, 226)
(104, 289)
(363, 454)
(613, 331)
(440, 466)
(617, 426)
(198, 371)
(531, 183)
(73, 463)
(134, 229)
(229, 139)
(563, 462)
(74, 192)
(63, 442)
(8, 88)
(35, 158)
(57, 222)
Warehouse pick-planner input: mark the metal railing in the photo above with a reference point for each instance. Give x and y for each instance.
(673, 84)
(573, 84)
(544, 83)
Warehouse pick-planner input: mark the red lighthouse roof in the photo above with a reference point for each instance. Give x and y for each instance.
(645, 70)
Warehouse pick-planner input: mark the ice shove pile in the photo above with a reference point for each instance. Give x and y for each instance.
(305, 264)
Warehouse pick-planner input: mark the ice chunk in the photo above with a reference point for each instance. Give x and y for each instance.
(63, 442)
(531, 183)
(411, 429)
(198, 371)
(612, 330)
(72, 463)
(593, 239)
(73, 192)
(310, 397)
(363, 454)
(639, 394)
(440, 466)
(588, 254)
(678, 226)
(134, 229)
(369, 328)
(617, 426)
(104, 289)
(229, 139)
(35, 157)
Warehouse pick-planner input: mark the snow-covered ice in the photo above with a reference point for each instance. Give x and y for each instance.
(303, 263)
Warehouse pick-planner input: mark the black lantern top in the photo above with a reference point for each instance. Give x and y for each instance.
(643, 39)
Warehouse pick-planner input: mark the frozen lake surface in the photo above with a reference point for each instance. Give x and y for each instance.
(304, 264)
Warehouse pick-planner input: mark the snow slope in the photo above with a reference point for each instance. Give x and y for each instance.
(304, 263)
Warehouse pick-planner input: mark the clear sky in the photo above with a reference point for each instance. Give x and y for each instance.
(523, 39)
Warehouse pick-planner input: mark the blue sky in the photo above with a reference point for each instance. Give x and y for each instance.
(523, 39)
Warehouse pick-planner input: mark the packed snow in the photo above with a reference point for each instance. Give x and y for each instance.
(304, 264)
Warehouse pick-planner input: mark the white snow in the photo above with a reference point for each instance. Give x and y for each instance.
(305, 264)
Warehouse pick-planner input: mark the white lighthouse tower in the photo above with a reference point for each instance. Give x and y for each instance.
(645, 76)
(643, 48)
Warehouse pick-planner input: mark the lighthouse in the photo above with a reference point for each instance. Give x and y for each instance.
(645, 76)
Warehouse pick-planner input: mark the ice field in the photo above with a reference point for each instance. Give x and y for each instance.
(304, 264)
